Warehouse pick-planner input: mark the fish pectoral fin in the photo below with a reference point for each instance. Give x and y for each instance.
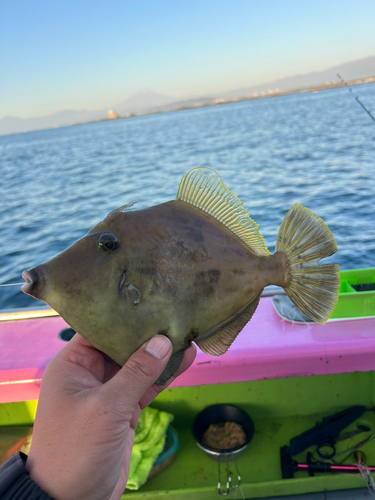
(140, 280)
(133, 293)
(221, 339)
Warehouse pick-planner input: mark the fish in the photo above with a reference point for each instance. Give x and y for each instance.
(192, 269)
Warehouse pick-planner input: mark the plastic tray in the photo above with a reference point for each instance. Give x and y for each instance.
(357, 294)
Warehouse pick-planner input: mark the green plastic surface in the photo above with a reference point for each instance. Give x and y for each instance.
(280, 408)
(353, 303)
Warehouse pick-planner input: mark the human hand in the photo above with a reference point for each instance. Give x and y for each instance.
(87, 413)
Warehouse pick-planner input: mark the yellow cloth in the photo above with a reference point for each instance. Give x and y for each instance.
(149, 442)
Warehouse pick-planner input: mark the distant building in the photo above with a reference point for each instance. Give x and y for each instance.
(112, 115)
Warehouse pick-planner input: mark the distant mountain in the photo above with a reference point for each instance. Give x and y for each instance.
(361, 68)
(144, 100)
(141, 102)
(147, 101)
(14, 125)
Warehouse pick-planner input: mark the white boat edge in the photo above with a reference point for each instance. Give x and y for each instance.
(17, 314)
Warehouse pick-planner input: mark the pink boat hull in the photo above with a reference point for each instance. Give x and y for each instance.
(268, 347)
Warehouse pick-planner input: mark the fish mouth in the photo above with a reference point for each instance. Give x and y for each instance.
(33, 282)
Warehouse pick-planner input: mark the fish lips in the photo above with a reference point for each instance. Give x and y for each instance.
(34, 282)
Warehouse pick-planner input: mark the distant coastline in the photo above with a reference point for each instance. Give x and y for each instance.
(253, 97)
(202, 103)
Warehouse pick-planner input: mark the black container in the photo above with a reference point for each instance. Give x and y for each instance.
(217, 414)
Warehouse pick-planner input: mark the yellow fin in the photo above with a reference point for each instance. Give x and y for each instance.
(305, 239)
(211, 195)
(218, 342)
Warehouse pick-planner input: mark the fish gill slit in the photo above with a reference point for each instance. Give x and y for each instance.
(122, 280)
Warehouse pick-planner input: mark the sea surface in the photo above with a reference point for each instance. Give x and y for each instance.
(317, 149)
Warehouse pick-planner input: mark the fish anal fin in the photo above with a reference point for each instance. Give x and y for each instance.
(219, 341)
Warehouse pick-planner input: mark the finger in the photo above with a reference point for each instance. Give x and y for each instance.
(77, 350)
(88, 352)
(74, 352)
(140, 371)
(189, 356)
(77, 339)
(154, 390)
(81, 353)
(135, 417)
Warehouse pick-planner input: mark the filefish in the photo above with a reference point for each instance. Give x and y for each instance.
(192, 269)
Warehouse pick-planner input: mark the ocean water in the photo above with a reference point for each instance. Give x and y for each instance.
(317, 149)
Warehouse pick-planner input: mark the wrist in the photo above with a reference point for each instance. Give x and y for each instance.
(15, 481)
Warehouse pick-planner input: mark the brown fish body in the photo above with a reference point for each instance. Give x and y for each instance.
(200, 275)
(185, 269)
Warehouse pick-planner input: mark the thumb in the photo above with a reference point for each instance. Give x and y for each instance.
(142, 369)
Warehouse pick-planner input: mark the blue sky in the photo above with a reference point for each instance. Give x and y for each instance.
(82, 54)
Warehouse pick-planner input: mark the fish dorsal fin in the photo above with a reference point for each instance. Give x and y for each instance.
(218, 342)
(211, 195)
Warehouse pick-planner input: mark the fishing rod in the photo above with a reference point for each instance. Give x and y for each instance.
(356, 97)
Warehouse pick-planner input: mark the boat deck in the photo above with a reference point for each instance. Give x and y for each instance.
(359, 494)
(267, 372)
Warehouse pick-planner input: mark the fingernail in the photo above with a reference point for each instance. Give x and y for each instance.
(158, 346)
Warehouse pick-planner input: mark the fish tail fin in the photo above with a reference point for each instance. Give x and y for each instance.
(305, 239)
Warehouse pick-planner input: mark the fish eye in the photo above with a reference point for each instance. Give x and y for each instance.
(108, 241)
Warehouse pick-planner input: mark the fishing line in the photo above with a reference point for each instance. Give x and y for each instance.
(366, 475)
(14, 284)
(242, 493)
(356, 97)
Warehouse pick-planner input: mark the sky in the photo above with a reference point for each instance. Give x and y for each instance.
(58, 55)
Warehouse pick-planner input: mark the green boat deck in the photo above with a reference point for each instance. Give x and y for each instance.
(280, 408)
